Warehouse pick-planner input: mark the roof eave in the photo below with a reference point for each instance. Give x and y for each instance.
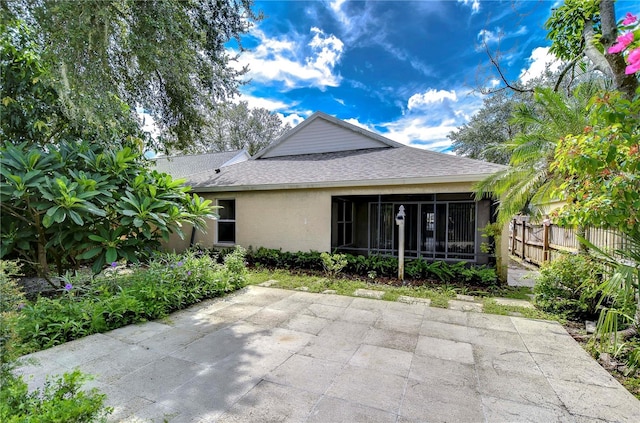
(346, 184)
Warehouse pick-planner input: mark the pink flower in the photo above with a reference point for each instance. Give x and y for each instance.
(634, 61)
(629, 19)
(622, 43)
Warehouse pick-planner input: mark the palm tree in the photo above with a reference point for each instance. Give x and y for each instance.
(528, 181)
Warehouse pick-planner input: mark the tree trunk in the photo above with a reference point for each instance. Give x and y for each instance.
(627, 84)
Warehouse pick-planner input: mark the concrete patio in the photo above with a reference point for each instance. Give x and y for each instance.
(266, 355)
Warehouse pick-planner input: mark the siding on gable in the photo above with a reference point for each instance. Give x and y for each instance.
(323, 137)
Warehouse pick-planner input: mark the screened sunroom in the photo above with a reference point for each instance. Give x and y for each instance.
(437, 226)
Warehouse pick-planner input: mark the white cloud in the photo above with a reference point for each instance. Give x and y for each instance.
(431, 117)
(431, 96)
(474, 4)
(336, 6)
(539, 61)
(261, 102)
(356, 122)
(292, 119)
(293, 62)
(489, 37)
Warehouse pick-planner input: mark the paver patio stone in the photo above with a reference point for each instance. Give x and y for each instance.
(261, 355)
(337, 410)
(270, 402)
(381, 359)
(391, 339)
(171, 340)
(502, 410)
(612, 404)
(445, 331)
(399, 321)
(514, 302)
(491, 321)
(501, 360)
(465, 306)
(368, 293)
(356, 315)
(370, 388)
(305, 323)
(425, 402)
(434, 371)
(519, 387)
(325, 311)
(574, 369)
(154, 379)
(307, 373)
(445, 349)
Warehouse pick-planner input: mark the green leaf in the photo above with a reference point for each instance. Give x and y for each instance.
(76, 218)
(112, 255)
(47, 221)
(90, 253)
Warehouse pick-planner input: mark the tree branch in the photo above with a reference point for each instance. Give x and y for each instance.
(495, 64)
(564, 71)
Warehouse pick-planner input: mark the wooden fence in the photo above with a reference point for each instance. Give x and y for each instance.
(541, 242)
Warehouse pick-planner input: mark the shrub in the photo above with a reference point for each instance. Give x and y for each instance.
(61, 400)
(569, 286)
(381, 266)
(112, 300)
(333, 263)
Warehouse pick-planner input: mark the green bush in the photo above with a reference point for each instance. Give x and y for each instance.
(114, 299)
(381, 266)
(61, 400)
(568, 285)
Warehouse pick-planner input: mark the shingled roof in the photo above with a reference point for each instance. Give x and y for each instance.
(370, 167)
(326, 152)
(188, 166)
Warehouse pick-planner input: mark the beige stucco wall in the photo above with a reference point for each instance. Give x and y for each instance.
(293, 219)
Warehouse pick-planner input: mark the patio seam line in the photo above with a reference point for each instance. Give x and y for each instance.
(564, 406)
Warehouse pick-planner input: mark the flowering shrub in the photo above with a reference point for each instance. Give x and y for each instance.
(61, 399)
(629, 41)
(115, 299)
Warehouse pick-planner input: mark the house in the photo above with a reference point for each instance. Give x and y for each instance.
(327, 185)
(189, 165)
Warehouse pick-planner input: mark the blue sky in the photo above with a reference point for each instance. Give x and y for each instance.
(409, 70)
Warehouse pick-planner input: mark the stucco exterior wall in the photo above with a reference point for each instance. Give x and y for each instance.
(292, 219)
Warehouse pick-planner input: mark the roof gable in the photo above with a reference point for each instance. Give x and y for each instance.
(321, 133)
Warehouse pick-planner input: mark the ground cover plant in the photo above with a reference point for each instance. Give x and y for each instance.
(374, 267)
(89, 304)
(61, 399)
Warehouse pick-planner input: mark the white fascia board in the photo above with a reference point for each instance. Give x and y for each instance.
(347, 184)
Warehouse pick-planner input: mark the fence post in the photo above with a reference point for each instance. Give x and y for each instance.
(546, 224)
(524, 238)
(514, 232)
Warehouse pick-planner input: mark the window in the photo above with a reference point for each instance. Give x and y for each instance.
(345, 223)
(226, 223)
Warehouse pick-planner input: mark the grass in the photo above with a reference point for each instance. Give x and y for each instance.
(490, 306)
(346, 286)
(438, 294)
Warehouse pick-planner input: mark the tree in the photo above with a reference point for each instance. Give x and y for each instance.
(486, 133)
(168, 56)
(582, 29)
(66, 197)
(236, 127)
(528, 181)
(600, 172)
